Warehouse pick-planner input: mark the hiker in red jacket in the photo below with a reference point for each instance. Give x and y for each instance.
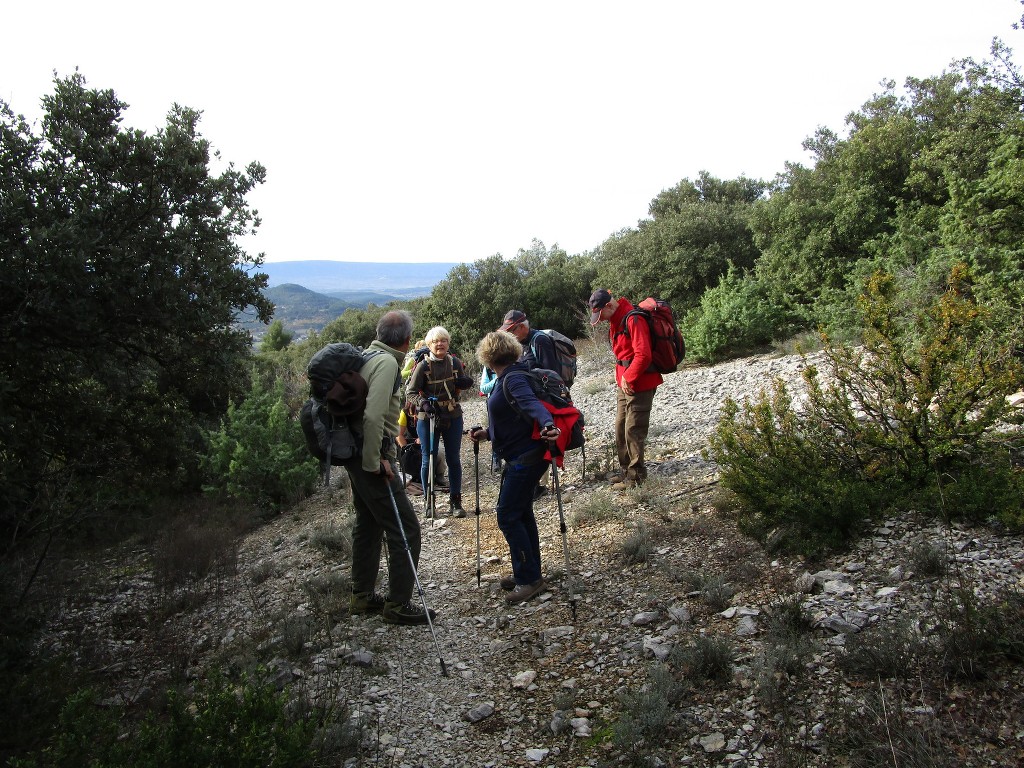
(631, 345)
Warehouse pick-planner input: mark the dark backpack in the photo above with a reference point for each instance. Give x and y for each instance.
(565, 353)
(550, 390)
(330, 418)
(410, 460)
(667, 346)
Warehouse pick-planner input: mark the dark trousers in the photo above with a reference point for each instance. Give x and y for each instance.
(375, 521)
(516, 519)
(632, 421)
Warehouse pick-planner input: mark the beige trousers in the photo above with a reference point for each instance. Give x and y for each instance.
(632, 421)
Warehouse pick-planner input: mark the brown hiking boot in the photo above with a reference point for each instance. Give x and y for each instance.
(371, 602)
(508, 583)
(523, 592)
(406, 613)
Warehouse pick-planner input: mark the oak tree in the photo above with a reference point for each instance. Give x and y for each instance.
(120, 280)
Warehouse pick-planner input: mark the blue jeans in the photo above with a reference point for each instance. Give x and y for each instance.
(451, 438)
(516, 519)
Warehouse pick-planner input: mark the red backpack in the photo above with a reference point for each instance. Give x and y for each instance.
(667, 346)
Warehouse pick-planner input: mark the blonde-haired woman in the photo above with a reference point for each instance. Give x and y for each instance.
(434, 388)
(513, 440)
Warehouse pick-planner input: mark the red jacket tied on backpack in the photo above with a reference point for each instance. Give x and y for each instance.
(634, 345)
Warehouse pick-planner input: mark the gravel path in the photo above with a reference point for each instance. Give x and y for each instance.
(540, 684)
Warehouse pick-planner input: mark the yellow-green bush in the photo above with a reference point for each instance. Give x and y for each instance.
(917, 417)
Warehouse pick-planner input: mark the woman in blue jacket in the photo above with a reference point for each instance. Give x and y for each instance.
(523, 455)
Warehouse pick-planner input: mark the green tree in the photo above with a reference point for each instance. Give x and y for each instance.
(120, 279)
(696, 230)
(926, 178)
(737, 315)
(276, 337)
(259, 453)
(548, 284)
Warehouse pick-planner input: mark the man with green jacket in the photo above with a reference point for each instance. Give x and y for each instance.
(374, 482)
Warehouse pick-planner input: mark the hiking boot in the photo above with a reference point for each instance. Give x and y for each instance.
(405, 613)
(442, 484)
(616, 478)
(523, 592)
(540, 490)
(359, 605)
(625, 485)
(456, 507)
(508, 583)
(414, 489)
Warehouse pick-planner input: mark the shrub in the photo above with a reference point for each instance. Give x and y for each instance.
(190, 549)
(887, 651)
(333, 540)
(929, 560)
(737, 315)
(222, 724)
(789, 473)
(910, 419)
(653, 493)
(638, 545)
(598, 507)
(713, 588)
(259, 453)
(974, 639)
(706, 658)
(646, 713)
(787, 644)
(890, 730)
(328, 598)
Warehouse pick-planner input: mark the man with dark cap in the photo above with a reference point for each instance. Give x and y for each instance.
(538, 352)
(538, 347)
(631, 344)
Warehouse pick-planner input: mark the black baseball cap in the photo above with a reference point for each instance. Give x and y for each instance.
(512, 318)
(598, 300)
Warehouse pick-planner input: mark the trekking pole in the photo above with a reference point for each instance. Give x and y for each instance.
(476, 477)
(555, 453)
(416, 578)
(430, 496)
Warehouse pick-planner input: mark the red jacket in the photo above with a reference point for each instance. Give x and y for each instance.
(634, 345)
(565, 419)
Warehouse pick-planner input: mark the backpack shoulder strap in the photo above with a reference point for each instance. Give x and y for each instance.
(509, 397)
(635, 312)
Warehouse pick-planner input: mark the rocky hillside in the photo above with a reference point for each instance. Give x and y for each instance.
(771, 657)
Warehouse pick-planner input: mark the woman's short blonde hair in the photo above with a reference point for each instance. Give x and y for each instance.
(436, 333)
(498, 349)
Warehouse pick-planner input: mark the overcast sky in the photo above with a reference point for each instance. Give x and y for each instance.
(451, 131)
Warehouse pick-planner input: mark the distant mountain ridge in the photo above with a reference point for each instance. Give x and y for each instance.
(324, 276)
(302, 310)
